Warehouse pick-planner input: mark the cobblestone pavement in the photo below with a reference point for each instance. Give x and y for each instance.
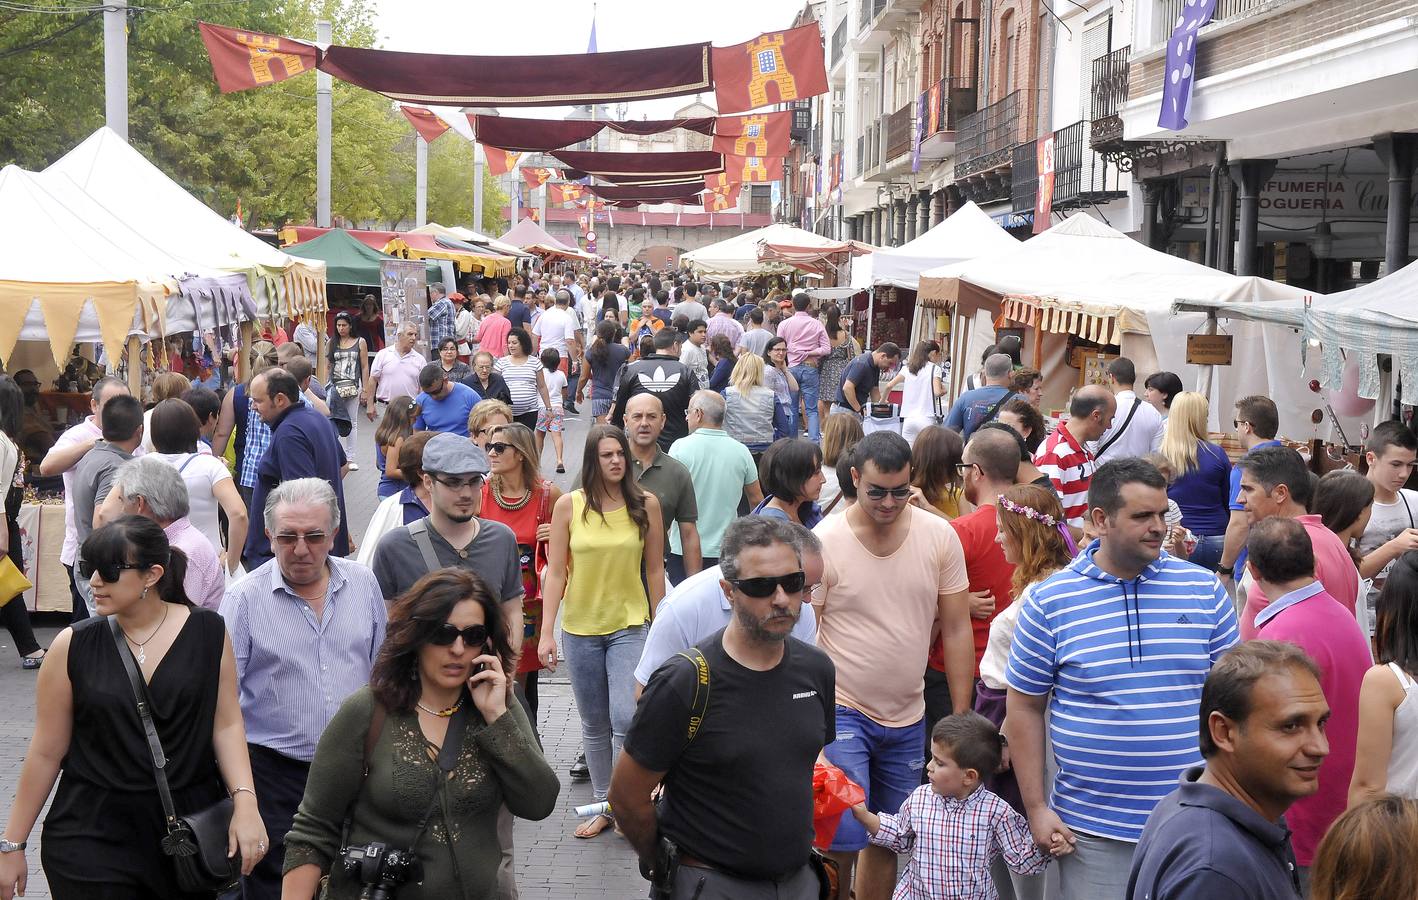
(552, 864)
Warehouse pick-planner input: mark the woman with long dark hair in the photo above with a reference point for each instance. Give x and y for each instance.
(604, 359)
(14, 615)
(525, 377)
(721, 354)
(516, 495)
(442, 662)
(370, 325)
(397, 424)
(935, 473)
(349, 372)
(105, 829)
(844, 349)
(922, 390)
(1386, 755)
(1344, 500)
(600, 535)
(790, 473)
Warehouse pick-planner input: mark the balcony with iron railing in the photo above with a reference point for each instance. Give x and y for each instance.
(985, 139)
(839, 43)
(1108, 94)
(1024, 177)
(950, 100)
(897, 129)
(867, 11)
(1082, 176)
(1169, 11)
(868, 151)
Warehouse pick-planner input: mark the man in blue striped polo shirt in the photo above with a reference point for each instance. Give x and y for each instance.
(1122, 638)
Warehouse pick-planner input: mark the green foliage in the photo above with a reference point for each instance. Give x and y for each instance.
(257, 145)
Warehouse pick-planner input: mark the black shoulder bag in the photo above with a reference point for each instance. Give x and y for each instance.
(196, 842)
(1119, 433)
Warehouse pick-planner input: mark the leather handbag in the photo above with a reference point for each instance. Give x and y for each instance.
(13, 582)
(196, 842)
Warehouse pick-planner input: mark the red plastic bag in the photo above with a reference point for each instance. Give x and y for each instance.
(832, 794)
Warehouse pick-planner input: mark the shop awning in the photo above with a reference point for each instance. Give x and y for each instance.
(467, 257)
(349, 261)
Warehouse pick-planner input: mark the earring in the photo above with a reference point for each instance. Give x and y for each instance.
(145, 593)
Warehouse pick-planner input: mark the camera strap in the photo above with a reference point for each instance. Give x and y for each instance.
(447, 759)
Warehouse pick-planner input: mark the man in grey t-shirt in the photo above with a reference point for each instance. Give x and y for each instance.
(93, 476)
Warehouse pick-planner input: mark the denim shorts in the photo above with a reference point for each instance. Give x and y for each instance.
(886, 762)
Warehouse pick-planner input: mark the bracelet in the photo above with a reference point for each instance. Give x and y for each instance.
(1226, 570)
(235, 791)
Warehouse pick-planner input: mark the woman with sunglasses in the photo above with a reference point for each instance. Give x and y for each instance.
(442, 662)
(516, 495)
(791, 476)
(935, 472)
(599, 537)
(104, 831)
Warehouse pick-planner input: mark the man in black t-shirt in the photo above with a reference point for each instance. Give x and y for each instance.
(738, 792)
(862, 378)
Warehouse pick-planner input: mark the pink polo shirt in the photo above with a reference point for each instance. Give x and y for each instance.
(1334, 568)
(806, 337)
(1324, 629)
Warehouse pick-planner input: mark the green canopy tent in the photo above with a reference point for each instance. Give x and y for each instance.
(348, 261)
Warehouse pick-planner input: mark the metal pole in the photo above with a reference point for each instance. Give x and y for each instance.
(322, 133)
(478, 187)
(420, 181)
(115, 67)
(514, 179)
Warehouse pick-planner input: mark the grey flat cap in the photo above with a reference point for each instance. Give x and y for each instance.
(449, 454)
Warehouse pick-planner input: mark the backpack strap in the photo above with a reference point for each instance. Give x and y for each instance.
(418, 530)
(993, 411)
(1136, 402)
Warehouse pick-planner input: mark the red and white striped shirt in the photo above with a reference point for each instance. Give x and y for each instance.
(1069, 466)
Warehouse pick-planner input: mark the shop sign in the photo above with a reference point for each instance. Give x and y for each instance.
(1208, 349)
(1305, 194)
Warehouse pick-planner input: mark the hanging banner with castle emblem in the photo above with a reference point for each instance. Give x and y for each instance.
(719, 201)
(564, 193)
(246, 59)
(500, 162)
(753, 169)
(1044, 195)
(772, 68)
(428, 125)
(759, 134)
(1180, 72)
(536, 176)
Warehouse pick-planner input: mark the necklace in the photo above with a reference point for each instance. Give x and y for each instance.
(142, 654)
(510, 504)
(444, 713)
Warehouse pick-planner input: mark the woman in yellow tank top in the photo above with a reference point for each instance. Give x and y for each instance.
(599, 537)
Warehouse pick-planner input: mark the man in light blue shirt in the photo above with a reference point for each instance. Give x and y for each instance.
(305, 628)
(722, 469)
(699, 607)
(444, 404)
(974, 408)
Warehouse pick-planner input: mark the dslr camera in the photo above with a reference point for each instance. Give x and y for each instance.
(380, 868)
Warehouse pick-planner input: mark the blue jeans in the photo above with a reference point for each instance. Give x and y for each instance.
(1208, 551)
(807, 377)
(602, 668)
(886, 762)
(785, 424)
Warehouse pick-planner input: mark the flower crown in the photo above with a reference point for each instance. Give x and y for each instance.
(1029, 512)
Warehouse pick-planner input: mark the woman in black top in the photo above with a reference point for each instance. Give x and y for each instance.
(104, 830)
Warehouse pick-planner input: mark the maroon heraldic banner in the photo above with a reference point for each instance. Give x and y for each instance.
(772, 68)
(246, 59)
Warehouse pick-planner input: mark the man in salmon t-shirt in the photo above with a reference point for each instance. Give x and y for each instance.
(1275, 483)
(892, 570)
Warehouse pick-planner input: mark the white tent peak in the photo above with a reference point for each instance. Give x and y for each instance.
(1084, 225)
(967, 233)
(737, 257)
(527, 233)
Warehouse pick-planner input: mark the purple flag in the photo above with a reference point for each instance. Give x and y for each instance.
(1181, 61)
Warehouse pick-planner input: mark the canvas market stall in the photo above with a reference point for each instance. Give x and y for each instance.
(468, 258)
(347, 260)
(469, 236)
(1084, 291)
(739, 256)
(535, 239)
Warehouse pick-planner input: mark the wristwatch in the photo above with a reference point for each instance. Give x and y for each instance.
(1226, 570)
(10, 846)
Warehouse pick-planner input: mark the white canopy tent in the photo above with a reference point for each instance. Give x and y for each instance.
(134, 190)
(1085, 279)
(966, 234)
(737, 257)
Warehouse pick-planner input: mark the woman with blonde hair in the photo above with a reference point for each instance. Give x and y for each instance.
(840, 433)
(749, 405)
(1368, 853)
(487, 415)
(1202, 486)
(166, 386)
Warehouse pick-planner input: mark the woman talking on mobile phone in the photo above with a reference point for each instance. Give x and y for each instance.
(439, 682)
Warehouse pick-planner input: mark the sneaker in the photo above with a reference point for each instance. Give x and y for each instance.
(354, 467)
(579, 771)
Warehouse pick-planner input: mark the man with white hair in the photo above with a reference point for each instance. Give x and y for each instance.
(723, 472)
(974, 408)
(395, 370)
(153, 488)
(305, 628)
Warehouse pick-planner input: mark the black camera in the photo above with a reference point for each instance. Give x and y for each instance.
(380, 868)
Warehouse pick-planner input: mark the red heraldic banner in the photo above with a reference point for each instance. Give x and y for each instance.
(750, 169)
(760, 134)
(793, 63)
(718, 201)
(564, 193)
(719, 182)
(248, 59)
(500, 162)
(536, 176)
(429, 126)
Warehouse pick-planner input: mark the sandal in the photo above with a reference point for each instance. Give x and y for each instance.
(33, 662)
(594, 826)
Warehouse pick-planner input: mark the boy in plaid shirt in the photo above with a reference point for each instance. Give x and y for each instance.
(955, 825)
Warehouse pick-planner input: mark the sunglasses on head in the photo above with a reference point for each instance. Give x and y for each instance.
(109, 573)
(767, 585)
(445, 634)
(311, 538)
(879, 493)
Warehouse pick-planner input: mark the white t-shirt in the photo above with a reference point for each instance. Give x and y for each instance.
(555, 327)
(201, 472)
(1386, 520)
(692, 310)
(917, 393)
(147, 445)
(556, 383)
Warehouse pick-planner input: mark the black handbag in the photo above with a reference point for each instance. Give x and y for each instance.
(196, 842)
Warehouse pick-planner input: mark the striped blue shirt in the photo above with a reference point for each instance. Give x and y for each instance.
(1125, 661)
(294, 670)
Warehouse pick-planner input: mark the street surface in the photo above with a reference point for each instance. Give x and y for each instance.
(552, 864)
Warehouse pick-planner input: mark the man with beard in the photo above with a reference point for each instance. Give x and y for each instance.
(737, 759)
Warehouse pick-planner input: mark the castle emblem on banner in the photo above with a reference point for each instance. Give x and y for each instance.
(754, 140)
(767, 66)
(264, 50)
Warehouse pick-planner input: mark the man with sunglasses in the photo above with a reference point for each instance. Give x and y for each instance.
(304, 444)
(443, 404)
(894, 574)
(305, 628)
(738, 799)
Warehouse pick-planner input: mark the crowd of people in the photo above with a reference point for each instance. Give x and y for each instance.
(1086, 655)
